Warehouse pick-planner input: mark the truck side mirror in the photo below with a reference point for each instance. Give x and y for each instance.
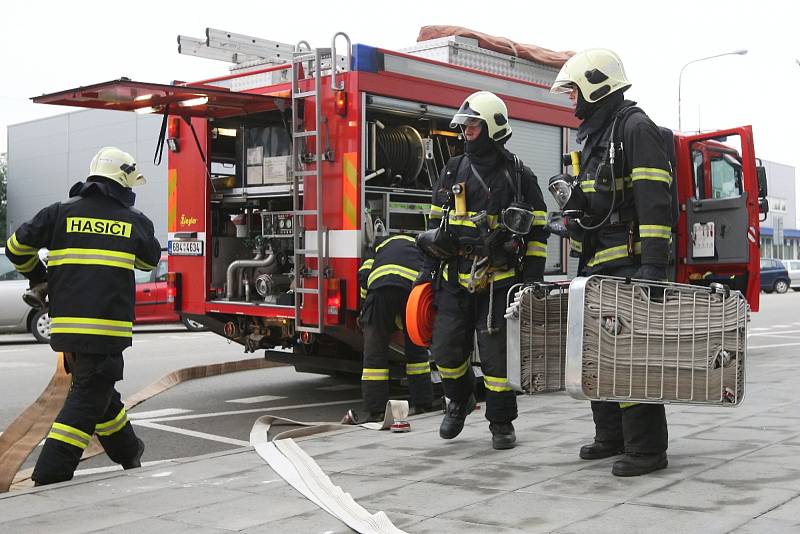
(763, 207)
(761, 173)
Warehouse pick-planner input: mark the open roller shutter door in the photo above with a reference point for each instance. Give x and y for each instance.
(539, 146)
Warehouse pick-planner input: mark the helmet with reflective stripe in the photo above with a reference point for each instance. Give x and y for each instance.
(490, 109)
(114, 164)
(597, 72)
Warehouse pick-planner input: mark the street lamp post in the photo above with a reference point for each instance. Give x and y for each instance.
(680, 76)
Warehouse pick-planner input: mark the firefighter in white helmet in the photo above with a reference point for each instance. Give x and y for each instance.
(95, 239)
(624, 192)
(486, 233)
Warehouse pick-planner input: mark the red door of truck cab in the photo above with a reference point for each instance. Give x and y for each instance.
(718, 230)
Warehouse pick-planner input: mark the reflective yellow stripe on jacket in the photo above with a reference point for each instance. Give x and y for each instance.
(588, 186)
(395, 238)
(392, 268)
(436, 212)
(536, 248)
(93, 256)
(91, 326)
(539, 218)
(18, 248)
(613, 253)
(655, 230)
(650, 173)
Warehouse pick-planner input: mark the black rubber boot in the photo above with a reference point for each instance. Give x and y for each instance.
(600, 449)
(503, 436)
(454, 417)
(635, 464)
(136, 461)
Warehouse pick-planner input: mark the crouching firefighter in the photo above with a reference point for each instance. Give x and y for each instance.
(486, 233)
(385, 282)
(96, 239)
(620, 209)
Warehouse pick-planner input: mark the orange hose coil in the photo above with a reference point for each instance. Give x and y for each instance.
(420, 314)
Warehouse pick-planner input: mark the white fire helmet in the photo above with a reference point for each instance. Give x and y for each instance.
(490, 109)
(114, 164)
(597, 72)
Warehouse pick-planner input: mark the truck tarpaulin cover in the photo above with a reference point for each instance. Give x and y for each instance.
(498, 44)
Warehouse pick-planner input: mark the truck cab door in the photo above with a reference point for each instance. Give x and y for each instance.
(719, 194)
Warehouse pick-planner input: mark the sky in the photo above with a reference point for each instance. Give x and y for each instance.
(47, 46)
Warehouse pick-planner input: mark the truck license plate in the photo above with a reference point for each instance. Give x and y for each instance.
(185, 247)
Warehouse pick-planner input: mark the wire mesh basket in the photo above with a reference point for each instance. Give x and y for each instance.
(536, 334)
(655, 342)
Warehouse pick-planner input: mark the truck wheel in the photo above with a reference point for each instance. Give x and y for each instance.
(40, 326)
(192, 326)
(781, 286)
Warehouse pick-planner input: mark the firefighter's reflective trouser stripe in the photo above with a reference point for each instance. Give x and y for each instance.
(459, 315)
(91, 326)
(92, 406)
(378, 326)
(641, 428)
(24, 258)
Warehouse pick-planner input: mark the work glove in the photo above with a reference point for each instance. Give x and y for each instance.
(651, 271)
(424, 276)
(36, 296)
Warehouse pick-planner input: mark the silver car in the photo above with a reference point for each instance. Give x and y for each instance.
(15, 315)
(793, 267)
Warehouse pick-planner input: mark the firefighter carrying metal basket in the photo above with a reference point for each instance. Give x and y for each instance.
(486, 232)
(618, 210)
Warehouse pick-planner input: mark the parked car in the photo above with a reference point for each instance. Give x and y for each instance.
(15, 315)
(774, 276)
(155, 303)
(793, 266)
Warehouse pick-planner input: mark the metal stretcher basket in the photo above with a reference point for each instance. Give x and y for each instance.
(536, 335)
(654, 342)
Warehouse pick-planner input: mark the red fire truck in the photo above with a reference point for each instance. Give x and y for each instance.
(282, 173)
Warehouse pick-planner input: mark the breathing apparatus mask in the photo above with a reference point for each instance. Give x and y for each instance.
(567, 194)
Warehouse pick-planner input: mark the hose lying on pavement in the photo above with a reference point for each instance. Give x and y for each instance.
(25, 433)
(290, 462)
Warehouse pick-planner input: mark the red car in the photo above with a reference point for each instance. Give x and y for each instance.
(155, 303)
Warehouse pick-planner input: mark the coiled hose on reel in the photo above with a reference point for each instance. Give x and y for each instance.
(401, 153)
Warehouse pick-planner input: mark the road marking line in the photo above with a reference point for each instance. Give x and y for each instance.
(12, 350)
(775, 333)
(254, 400)
(251, 410)
(19, 365)
(339, 387)
(157, 413)
(761, 328)
(193, 433)
(109, 468)
(775, 346)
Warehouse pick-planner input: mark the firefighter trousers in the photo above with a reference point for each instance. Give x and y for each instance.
(382, 308)
(92, 406)
(641, 428)
(460, 315)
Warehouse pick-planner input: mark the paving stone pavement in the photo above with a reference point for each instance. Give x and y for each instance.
(731, 471)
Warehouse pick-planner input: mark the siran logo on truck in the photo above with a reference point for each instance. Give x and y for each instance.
(87, 225)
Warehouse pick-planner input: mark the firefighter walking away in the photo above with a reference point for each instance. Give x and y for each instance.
(385, 282)
(486, 233)
(622, 208)
(95, 239)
